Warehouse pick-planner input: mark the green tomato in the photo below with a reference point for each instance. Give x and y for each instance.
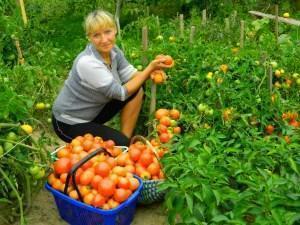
(274, 64)
(34, 170)
(48, 106)
(202, 107)
(173, 123)
(285, 86)
(295, 75)
(8, 146)
(139, 67)
(11, 136)
(133, 55)
(258, 100)
(159, 38)
(1, 150)
(12, 195)
(208, 92)
(40, 174)
(298, 81)
(209, 112)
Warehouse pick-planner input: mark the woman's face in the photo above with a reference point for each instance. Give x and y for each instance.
(103, 39)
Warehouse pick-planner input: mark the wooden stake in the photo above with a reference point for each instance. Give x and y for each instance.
(145, 44)
(23, 12)
(158, 25)
(234, 15)
(276, 23)
(21, 59)
(242, 33)
(117, 16)
(153, 85)
(192, 34)
(270, 80)
(204, 17)
(181, 24)
(227, 25)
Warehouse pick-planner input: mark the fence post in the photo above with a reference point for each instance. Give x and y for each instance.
(203, 17)
(23, 12)
(227, 25)
(234, 15)
(276, 23)
(21, 59)
(192, 34)
(242, 33)
(270, 80)
(158, 25)
(181, 24)
(153, 85)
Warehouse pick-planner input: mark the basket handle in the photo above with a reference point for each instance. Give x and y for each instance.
(145, 141)
(75, 167)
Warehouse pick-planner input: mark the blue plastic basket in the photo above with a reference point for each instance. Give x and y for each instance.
(78, 213)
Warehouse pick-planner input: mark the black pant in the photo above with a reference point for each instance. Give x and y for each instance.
(68, 132)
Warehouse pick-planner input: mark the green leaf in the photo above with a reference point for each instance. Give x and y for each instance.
(220, 218)
(194, 143)
(171, 216)
(276, 216)
(217, 196)
(4, 200)
(190, 202)
(198, 195)
(293, 165)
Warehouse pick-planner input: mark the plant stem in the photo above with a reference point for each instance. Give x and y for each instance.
(22, 221)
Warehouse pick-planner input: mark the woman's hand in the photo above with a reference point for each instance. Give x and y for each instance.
(161, 62)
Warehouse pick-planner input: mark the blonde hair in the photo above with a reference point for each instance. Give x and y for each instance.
(98, 19)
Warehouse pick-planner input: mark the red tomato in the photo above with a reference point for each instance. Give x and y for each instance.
(134, 153)
(106, 187)
(62, 165)
(86, 177)
(146, 159)
(120, 195)
(102, 169)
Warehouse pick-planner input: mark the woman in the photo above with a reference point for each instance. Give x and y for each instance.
(100, 84)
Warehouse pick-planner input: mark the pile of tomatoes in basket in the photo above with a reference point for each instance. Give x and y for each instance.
(104, 181)
(101, 181)
(141, 160)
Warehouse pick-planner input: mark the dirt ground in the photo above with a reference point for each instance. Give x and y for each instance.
(44, 212)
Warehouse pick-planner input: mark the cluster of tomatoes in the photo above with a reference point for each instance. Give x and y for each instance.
(104, 181)
(159, 76)
(291, 117)
(166, 121)
(141, 159)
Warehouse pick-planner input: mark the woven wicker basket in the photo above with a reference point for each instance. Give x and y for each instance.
(150, 192)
